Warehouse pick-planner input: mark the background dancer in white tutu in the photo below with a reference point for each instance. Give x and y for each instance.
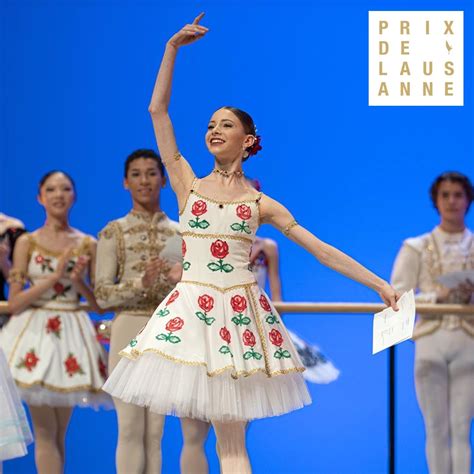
(49, 342)
(216, 349)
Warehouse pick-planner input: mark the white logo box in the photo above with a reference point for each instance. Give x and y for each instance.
(416, 58)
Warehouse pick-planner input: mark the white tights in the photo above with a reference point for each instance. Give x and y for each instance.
(444, 379)
(50, 425)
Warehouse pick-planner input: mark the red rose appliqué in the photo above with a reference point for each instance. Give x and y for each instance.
(244, 212)
(276, 338)
(238, 303)
(206, 303)
(265, 304)
(173, 297)
(174, 324)
(199, 208)
(220, 249)
(248, 338)
(225, 335)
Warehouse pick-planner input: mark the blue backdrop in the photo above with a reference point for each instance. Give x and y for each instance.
(77, 76)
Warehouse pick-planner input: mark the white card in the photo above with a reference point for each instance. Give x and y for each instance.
(454, 279)
(392, 327)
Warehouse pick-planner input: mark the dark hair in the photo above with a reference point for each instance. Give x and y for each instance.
(144, 153)
(249, 127)
(454, 177)
(50, 173)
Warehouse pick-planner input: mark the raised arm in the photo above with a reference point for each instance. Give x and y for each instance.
(180, 173)
(272, 212)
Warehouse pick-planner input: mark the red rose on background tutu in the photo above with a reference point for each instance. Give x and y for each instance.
(173, 297)
(31, 360)
(244, 212)
(58, 288)
(248, 338)
(39, 259)
(199, 208)
(220, 249)
(225, 334)
(276, 337)
(238, 303)
(265, 304)
(206, 303)
(53, 324)
(72, 365)
(183, 248)
(174, 324)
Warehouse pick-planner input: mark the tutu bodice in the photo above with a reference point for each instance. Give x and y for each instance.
(217, 239)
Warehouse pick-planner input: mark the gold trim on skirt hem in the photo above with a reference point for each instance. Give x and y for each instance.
(134, 355)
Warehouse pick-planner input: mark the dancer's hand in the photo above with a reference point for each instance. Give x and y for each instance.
(153, 269)
(79, 269)
(175, 274)
(389, 296)
(63, 263)
(189, 33)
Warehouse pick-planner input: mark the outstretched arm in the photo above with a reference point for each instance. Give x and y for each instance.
(180, 173)
(272, 212)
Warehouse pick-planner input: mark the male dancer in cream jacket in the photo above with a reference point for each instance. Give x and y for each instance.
(444, 355)
(138, 263)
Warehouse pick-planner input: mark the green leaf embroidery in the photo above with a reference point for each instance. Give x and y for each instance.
(161, 337)
(193, 224)
(133, 343)
(174, 339)
(251, 354)
(213, 266)
(209, 321)
(281, 354)
(163, 312)
(201, 316)
(225, 350)
(203, 224)
(186, 265)
(241, 320)
(246, 229)
(236, 226)
(272, 319)
(227, 267)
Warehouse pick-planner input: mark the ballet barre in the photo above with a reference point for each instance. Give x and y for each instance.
(466, 311)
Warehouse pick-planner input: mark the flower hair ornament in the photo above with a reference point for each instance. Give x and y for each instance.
(256, 147)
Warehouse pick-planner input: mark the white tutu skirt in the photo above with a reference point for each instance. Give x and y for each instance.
(319, 369)
(188, 392)
(15, 433)
(55, 358)
(212, 355)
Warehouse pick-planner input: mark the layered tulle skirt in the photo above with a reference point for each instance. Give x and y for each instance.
(15, 433)
(212, 354)
(55, 358)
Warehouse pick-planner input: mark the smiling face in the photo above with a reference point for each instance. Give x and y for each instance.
(57, 195)
(226, 137)
(452, 201)
(144, 181)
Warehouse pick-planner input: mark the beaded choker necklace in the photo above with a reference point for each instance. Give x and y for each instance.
(228, 174)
